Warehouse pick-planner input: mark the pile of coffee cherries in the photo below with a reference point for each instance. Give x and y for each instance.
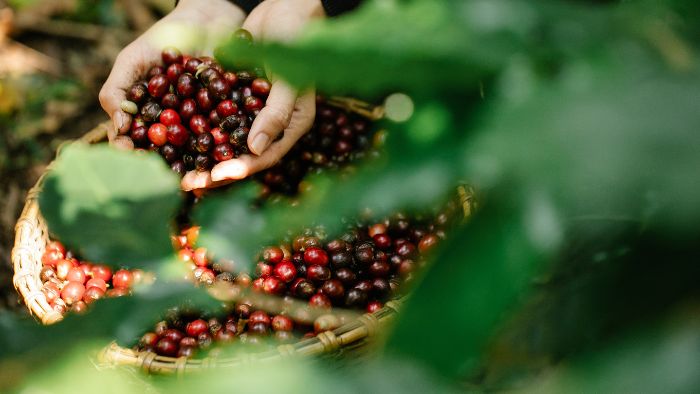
(196, 114)
(360, 269)
(70, 283)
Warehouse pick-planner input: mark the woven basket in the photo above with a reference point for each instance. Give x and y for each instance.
(32, 236)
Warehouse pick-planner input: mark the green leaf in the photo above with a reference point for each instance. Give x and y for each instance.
(111, 206)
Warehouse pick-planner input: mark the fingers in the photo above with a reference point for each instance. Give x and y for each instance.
(130, 63)
(273, 118)
(249, 164)
(200, 180)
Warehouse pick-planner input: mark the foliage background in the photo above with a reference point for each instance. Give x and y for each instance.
(577, 122)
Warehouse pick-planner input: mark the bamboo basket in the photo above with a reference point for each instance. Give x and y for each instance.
(32, 236)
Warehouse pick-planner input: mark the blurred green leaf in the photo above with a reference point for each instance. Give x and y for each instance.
(653, 360)
(111, 206)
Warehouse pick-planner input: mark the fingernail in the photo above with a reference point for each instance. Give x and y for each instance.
(259, 144)
(118, 120)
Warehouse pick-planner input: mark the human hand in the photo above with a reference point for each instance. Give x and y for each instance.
(192, 26)
(286, 109)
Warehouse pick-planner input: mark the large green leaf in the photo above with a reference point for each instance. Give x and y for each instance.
(111, 206)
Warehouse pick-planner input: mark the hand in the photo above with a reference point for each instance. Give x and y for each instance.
(286, 110)
(192, 26)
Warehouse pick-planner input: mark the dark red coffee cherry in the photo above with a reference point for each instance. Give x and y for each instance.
(199, 124)
(259, 317)
(252, 104)
(333, 288)
(169, 153)
(219, 88)
(170, 100)
(177, 134)
(166, 347)
(169, 117)
(171, 55)
(186, 85)
(285, 271)
(158, 86)
(302, 288)
(137, 92)
(230, 78)
(192, 65)
(203, 163)
(273, 285)
(196, 327)
(355, 298)
(239, 137)
(223, 152)
(315, 255)
(317, 273)
(320, 301)
(173, 72)
(346, 275)
(205, 142)
(260, 87)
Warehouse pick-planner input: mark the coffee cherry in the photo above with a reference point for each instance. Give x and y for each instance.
(93, 294)
(282, 323)
(76, 274)
(273, 254)
(346, 276)
(272, 285)
(320, 301)
(158, 134)
(341, 259)
(149, 339)
(261, 87)
(63, 267)
(364, 254)
(315, 255)
(302, 288)
(258, 329)
(243, 311)
(150, 111)
(186, 85)
(205, 100)
(239, 137)
(383, 241)
(220, 137)
(226, 108)
(170, 101)
(137, 93)
(364, 285)
(173, 72)
(263, 269)
(374, 306)
(188, 109)
(318, 273)
(192, 65)
(223, 152)
(259, 317)
(219, 88)
(380, 288)
(196, 327)
(230, 78)
(333, 288)
(166, 347)
(103, 272)
(214, 325)
(252, 104)
(355, 298)
(169, 117)
(155, 70)
(427, 243)
(285, 271)
(406, 250)
(158, 86)
(72, 292)
(122, 279)
(199, 124)
(47, 273)
(379, 269)
(79, 307)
